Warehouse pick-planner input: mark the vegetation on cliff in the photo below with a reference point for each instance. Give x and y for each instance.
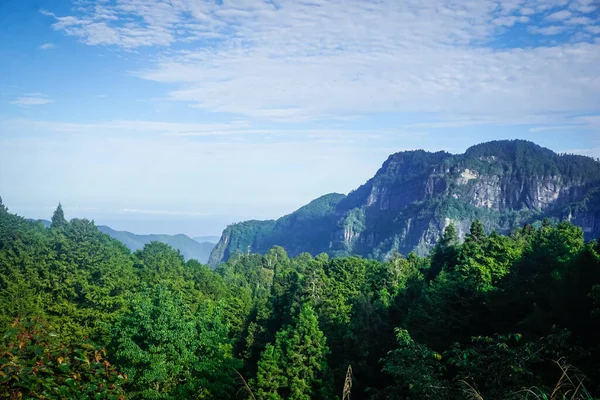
(416, 194)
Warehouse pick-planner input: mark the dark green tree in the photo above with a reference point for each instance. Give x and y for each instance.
(444, 254)
(58, 218)
(299, 357)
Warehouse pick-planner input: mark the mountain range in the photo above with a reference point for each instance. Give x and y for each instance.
(416, 194)
(198, 248)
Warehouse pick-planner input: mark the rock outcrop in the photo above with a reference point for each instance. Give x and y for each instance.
(416, 194)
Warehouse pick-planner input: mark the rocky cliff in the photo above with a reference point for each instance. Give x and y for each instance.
(416, 194)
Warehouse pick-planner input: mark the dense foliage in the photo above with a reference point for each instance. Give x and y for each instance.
(492, 317)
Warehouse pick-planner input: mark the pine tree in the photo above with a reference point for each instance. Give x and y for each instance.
(2, 206)
(306, 356)
(270, 377)
(296, 366)
(477, 233)
(58, 218)
(445, 252)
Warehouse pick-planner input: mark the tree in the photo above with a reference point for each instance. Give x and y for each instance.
(445, 252)
(152, 345)
(168, 353)
(270, 376)
(477, 233)
(36, 364)
(296, 367)
(416, 370)
(2, 206)
(58, 218)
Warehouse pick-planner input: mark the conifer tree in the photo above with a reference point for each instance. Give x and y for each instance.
(296, 366)
(58, 218)
(445, 252)
(477, 233)
(270, 377)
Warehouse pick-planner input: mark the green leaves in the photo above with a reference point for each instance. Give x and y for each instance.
(36, 364)
(294, 368)
(168, 352)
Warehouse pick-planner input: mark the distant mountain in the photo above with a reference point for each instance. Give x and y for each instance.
(188, 247)
(210, 239)
(44, 222)
(416, 194)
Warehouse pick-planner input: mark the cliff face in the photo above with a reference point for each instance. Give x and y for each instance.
(416, 194)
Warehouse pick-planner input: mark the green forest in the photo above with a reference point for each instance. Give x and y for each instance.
(512, 316)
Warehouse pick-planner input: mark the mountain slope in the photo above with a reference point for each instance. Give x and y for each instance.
(188, 247)
(416, 194)
(203, 239)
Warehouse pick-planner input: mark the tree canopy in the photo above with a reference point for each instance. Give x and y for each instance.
(494, 317)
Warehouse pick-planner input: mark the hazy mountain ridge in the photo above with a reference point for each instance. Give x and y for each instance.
(189, 248)
(416, 194)
(204, 239)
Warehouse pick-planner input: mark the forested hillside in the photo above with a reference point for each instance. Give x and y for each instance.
(416, 194)
(495, 317)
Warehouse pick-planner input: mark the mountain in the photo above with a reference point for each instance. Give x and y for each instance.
(203, 239)
(416, 194)
(44, 222)
(188, 247)
(198, 248)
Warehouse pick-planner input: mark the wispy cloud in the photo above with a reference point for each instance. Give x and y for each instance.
(47, 46)
(559, 15)
(32, 99)
(548, 30)
(302, 61)
(241, 128)
(594, 29)
(162, 212)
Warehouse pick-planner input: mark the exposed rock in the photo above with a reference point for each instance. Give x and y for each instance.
(416, 194)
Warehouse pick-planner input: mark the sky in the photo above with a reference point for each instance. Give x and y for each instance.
(182, 116)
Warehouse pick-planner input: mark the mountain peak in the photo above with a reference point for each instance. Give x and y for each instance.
(416, 194)
(508, 149)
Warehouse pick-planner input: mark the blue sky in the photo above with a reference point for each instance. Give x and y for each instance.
(184, 115)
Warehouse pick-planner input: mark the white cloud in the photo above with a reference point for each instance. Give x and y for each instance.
(579, 21)
(547, 30)
(526, 11)
(32, 99)
(595, 29)
(559, 15)
(584, 6)
(298, 61)
(47, 46)
(510, 20)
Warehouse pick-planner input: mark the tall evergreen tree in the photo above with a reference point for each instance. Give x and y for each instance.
(58, 218)
(445, 252)
(300, 357)
(477, 233)
(2, 206)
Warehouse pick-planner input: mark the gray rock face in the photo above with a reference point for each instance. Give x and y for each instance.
(416, 194)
